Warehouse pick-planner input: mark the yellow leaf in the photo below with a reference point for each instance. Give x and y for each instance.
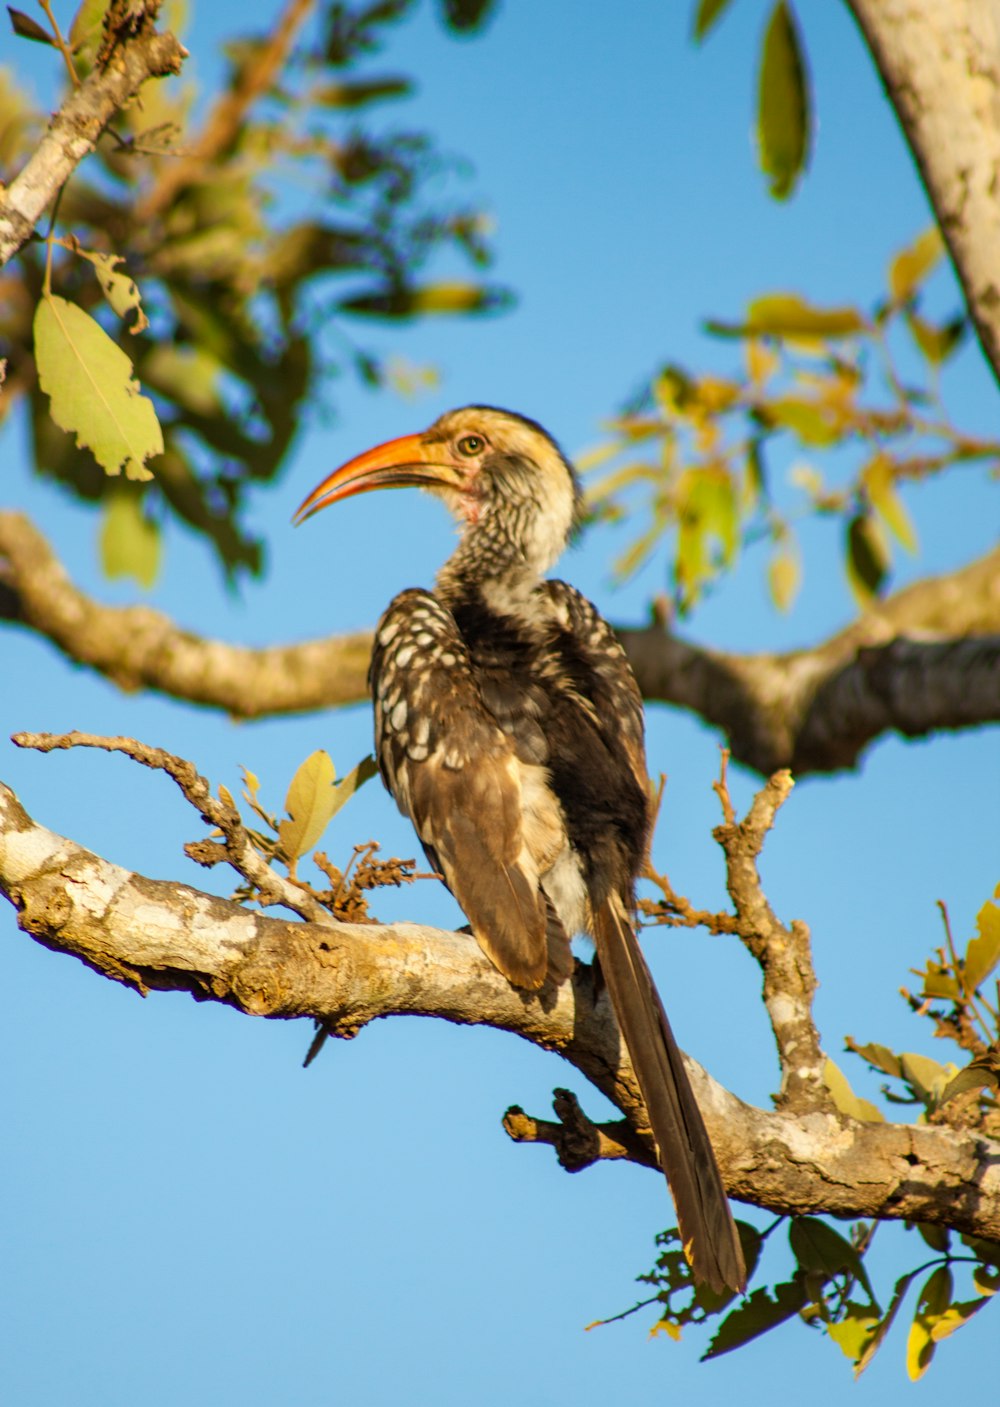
(879, 479)
(845, 1099)
(784, 576)
(910, 267)
(664, 1326)
(310, 803)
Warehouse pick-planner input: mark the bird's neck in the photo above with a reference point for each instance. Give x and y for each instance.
(500, 560)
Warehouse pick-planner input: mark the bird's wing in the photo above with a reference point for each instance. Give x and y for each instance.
(612, 690)
(455, 773)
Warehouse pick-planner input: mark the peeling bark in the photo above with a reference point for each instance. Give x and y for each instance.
(157, 935)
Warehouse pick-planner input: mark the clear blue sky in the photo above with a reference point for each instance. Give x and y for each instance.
(191, 1218)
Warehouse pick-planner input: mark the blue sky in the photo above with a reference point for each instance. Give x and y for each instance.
(194, 1218)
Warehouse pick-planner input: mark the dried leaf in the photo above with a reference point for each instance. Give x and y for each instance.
(27, 28)
(91, 389)
(121, 291)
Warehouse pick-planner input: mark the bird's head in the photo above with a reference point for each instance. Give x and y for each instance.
(504, 479)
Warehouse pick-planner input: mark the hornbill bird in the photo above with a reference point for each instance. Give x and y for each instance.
(509, 728)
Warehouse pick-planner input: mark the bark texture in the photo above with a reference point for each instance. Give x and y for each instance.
(156, 935)
(940, 63)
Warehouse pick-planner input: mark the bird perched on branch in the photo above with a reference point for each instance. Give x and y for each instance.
(509, 728)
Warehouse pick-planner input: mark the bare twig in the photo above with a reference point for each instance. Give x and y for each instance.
(236, 847)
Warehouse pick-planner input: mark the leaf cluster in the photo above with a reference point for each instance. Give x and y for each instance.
(248, 292)
(711, 464)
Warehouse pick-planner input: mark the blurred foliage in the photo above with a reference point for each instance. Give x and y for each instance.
(694, 459)
(196, 199)
(784, 124)
(830, 1288)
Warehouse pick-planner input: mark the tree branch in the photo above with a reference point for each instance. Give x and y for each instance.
(940, 63)
(156, 935)
(926, 658)
(73, 132)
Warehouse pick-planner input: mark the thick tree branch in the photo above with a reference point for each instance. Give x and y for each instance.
(940, 63)
(926, 658)
(156, 935)
(73, 132)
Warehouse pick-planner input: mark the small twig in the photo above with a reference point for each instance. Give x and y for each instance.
(239, 849)
(61, 45)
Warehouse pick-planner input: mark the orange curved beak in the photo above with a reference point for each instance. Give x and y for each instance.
(395, 464)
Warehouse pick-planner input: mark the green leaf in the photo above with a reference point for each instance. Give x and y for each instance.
(879, 480)
(130, 543)
(27, 28)
(465, 16)
(957, 1314)
(784, 107)
(707, 14)
(87, 29)
(756, 1315)
(845, 1099)
(811, 422)
(817, 1247)
(937, 1237)
(987, 1251)
(91, 389)
(310, 803)
(910, 267)
(981, 1073)
(359, 93)
(986, 1282)
(983, 952)
(867, 558)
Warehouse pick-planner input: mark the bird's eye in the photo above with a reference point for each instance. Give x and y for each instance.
(471, 445)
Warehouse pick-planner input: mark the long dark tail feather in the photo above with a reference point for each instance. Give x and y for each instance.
(708, 1232)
